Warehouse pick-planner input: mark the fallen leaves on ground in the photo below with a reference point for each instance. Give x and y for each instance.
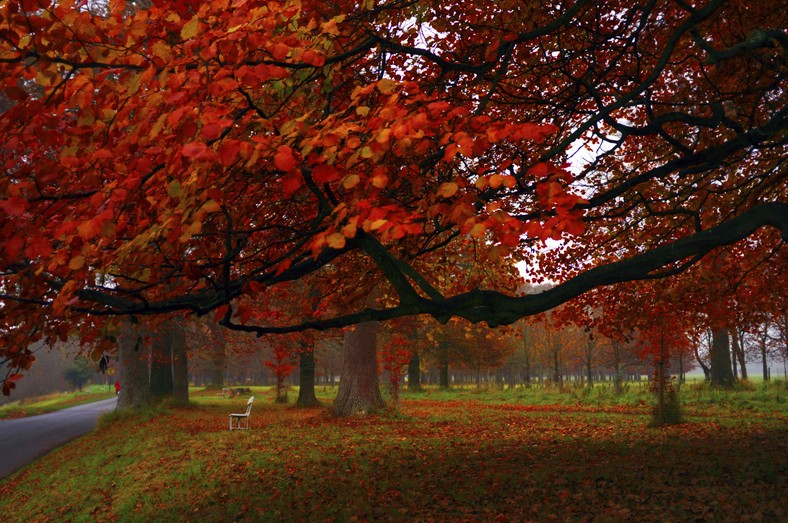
(432, 461)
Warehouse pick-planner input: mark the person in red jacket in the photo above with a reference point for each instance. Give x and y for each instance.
(117, 388)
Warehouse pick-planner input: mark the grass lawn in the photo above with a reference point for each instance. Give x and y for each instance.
(444, 456)
(53, 402)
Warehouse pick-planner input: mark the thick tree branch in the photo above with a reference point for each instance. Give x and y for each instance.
(499, 309)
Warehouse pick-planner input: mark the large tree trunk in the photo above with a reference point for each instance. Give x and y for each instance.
(180, 365)
(306, 377)
(414, 372)
(721, 369)
(161, 363)
(133, 356)
(359, 390)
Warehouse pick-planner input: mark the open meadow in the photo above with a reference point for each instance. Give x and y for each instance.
(461, 455)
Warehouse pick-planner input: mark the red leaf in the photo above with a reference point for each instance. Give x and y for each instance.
(14, 206)
(325, 173)
(291, 183)
(194, 149)
(284, 159)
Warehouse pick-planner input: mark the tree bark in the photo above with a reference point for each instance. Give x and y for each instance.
(161, 363)
(359, 389)
(706, 370)
(414, 373)
(738, 352)
(764, 352)
(306, 378)
(133, 356)
(721, 369)
(443, 356)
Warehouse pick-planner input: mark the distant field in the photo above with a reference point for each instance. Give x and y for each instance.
(53, 402)
(462, 455)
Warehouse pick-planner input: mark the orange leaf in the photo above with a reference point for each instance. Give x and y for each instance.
(280, 51)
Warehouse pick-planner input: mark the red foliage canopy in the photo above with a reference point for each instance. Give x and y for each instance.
(178, 159)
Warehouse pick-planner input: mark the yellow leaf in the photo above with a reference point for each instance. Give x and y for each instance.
(76, 263)
(383, 136)
(447, 190)
(477, 230)
(380, 181)
(496, 180)
(211, 206)
(195, 228)
(190, 29)
(386, 86)
(336, 240)
(349, 230)
(377, 224)
(351, 181)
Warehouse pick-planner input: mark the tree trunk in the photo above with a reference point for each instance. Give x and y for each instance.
(738, 352)
(764, 354)
(133, 356)
(721, 369)
(306, 378)
(180, 365)
(414, 373)
(706, 370)
(359, 391)
(444, 365)
(161, 363)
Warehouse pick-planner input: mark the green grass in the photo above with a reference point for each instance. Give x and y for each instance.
(54, 402)
(444, 455)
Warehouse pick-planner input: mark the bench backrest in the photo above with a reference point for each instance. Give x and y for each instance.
(249, 405)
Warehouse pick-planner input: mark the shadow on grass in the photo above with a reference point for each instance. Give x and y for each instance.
(432, 461)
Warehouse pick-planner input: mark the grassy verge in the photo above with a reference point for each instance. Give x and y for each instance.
(443, 456)
(53, 402)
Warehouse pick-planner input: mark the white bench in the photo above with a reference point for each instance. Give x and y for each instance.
(242, 417)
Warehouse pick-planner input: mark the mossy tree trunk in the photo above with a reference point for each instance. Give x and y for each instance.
(721, 369)
(133, 356)
(161, 363)
(359, 388)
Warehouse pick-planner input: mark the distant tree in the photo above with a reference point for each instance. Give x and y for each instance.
(79, 372)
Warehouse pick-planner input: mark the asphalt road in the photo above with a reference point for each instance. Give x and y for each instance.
(24, 440)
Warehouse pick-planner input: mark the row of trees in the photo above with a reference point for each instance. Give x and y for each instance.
(161, 162)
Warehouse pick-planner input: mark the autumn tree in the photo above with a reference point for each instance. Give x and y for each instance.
(79, 372)
(187, 157)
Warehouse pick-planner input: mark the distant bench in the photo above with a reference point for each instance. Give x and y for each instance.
(232, 392)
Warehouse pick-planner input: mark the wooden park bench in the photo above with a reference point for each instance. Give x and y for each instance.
(242, 417)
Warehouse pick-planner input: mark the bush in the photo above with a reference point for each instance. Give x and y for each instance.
(79, 372)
